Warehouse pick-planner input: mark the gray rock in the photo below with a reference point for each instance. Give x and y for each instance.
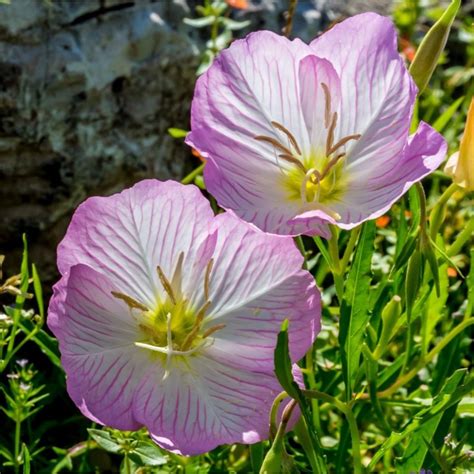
(88, 89)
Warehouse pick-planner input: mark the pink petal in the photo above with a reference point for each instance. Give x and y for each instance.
(377, 92)
(424, 152)
(125, 236)
(257, 282)
(96, 333)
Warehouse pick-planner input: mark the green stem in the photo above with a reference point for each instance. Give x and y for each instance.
(423, 216)
(190, 177)
(128, 468)
(300, 245)
(17, 442)
(312, 384)
(448, 192)
(425, 360)
(347, 411)
(437, 213)
(274, 412)
(461, 239)
(301, 431)
(336, 263)
(350, 248)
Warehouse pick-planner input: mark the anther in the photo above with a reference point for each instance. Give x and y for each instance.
(331, 164)
(131, 302)
(327, 100)
(290, 136)
(293, 160)
(274, 142)
(166, 284)
(177, 276)
(212, 330)
(330, 137)
(207, 278)
(343, 141)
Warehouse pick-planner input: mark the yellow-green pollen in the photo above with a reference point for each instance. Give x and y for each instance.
(173, 328)
(316, 179)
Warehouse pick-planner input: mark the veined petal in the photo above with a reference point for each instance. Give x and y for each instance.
(125, 236)
(257, 282)
(320, 91)
(250, 85)
(370, 198)
(377, 92)
(96, 335)
(205, 403)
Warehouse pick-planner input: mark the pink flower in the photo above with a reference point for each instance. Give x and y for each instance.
(167, 316)
(297, 136)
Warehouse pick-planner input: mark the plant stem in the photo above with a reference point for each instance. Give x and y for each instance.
(448, 192)
(190, 177)
(289, 19)
(347, 411)
(350, 248)
(461, 239)
(300, 245)
(17, 442)
(424, 360)
(274, 412)
(336, 263)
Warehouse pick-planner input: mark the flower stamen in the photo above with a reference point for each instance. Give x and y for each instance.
(131, 302)
(343, 141)
(327, 100)
(290, 136)
(166, 284)
(207, 279)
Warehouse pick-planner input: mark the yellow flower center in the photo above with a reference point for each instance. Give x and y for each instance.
(316, 179)
(173, 328)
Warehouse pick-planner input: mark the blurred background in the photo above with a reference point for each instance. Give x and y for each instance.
(89, 89)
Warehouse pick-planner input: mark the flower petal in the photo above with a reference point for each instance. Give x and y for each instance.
(96, 333)
(125, 236)
(257, 282)
(377, 92)
(424, 152)
(205, 403)
(252, 83)
(320, 91)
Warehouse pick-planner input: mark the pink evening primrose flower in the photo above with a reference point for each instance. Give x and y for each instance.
(297, 136)
(167, 316)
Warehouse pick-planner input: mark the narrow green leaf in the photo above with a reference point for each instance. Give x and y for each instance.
(38, 290)
(415, 453)
(441, 402)
(47, 344)
(283, 366)
(199, 22)
(26, 460)
(105, 440)
(256, 457)
(447, 115)
(355, 306)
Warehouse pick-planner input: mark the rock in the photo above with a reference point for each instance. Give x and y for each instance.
(88, 89)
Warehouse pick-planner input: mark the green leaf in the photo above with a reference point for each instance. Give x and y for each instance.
(447, 115)
(38, 290)
(200, 22)
(415, 453)
(234, 25)
(444, 400)
(20, 299)
(177, 132)
(284, 375)
(26, 460)
(148, 454)
(355, 306)
(47, 344)
(256, 457)
(105, 440)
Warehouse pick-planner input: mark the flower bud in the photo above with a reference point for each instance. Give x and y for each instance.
(390, 315)
(460, 165)
(432, 46)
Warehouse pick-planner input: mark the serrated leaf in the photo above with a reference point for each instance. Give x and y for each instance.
(148, 454)
(355, 306)
(105, 440)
